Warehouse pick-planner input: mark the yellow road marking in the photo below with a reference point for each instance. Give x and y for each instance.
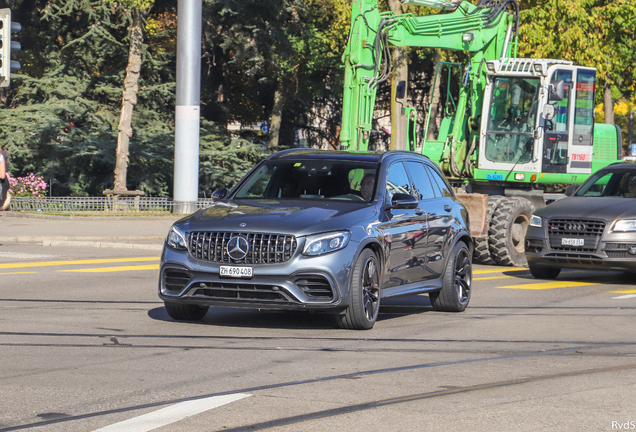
(625, 291)
(114, 269)
(10, 273)
(504, 270)
(549, 285)
(493, 277)
(78, 262)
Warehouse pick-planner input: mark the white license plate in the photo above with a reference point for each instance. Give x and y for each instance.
(572, 242)
(239, 272)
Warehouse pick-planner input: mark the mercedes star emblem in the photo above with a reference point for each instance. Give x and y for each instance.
(237, 248)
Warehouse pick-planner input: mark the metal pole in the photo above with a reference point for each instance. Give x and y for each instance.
(187, 123)
(631, 132)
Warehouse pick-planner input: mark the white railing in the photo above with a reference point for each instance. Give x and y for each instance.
(115, 206)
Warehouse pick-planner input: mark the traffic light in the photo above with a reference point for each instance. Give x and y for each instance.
(6, 46)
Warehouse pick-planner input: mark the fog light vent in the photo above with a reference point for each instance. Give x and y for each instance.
(175, 280)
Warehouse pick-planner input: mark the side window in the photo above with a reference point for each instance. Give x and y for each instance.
(584, 107)
(441, 184)
(421, 181)
(561, 118)
(397, 180)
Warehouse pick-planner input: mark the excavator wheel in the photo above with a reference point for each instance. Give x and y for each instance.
(507, 231)
(482, 246)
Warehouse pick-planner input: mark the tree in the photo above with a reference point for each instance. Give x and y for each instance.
(136, 11)
(598, 33)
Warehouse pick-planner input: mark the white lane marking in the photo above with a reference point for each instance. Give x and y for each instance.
(625, 296)
(171, 414)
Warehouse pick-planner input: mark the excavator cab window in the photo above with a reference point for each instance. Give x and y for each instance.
(512, 119)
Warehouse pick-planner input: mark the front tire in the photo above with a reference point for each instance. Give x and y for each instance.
(507, 231)
(456, 287)
(544, 272)
(364, 293)
(186, 312)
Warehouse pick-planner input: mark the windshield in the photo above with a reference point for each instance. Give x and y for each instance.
(610, 184)
(322, 179)
(512, 119)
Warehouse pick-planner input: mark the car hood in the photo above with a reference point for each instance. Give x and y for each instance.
(606, 208)
(278, 217)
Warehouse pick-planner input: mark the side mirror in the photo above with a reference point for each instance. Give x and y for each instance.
(571, 190)
(219, 194)
(403, 201)
(557, 91)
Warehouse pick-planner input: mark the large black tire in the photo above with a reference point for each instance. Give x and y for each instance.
(186, 312)
(456, 287)
(482, 245)
(507, 231)
(544, 272)
(364, 291)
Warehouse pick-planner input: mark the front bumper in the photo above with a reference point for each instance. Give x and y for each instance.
(612, 251)
(302, 283)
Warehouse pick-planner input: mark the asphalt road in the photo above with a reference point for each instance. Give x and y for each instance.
(86, 345)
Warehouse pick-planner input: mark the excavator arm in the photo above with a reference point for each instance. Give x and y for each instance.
(484, 30)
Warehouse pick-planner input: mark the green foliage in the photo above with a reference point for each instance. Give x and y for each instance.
(61, 114)
(596, 33)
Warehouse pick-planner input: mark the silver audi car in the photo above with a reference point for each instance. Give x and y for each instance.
(329, 231)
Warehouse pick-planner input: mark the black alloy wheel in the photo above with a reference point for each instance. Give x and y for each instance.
(458, 277)
(363, 311)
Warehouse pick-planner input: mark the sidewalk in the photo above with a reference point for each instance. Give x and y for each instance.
(146, 233)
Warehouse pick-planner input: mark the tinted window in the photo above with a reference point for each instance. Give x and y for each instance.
(307, 179)
(397, 181)
(444, 188)
(421, 181)
(610, 184)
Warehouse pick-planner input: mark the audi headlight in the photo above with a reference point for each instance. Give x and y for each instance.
(535, 221)
(176, 239)
(324, 243)
(625, 225)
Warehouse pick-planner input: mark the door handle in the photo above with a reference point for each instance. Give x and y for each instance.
(447, 208)
(419, 212)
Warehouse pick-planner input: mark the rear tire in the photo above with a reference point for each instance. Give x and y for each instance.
(544, 272)
(456, 287)
(186, 312)
(507, 231)
(364, 293)
(482, 245)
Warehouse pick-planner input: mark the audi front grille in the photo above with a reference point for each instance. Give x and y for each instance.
(589, 230)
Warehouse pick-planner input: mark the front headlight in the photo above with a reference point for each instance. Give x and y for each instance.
(176, 239)
(324, 243)
(624, 225)
(535, 221)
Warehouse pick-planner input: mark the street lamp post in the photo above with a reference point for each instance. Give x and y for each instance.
(187, 115)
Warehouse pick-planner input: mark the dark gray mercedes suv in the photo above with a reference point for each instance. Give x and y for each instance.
(330, 231)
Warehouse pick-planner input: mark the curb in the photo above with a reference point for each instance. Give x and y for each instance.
(12, 214)
(91, 242)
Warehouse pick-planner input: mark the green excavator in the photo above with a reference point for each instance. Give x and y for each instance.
(509, 126)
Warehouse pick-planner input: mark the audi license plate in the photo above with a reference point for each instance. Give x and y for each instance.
(240, 272)
(572, 242)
